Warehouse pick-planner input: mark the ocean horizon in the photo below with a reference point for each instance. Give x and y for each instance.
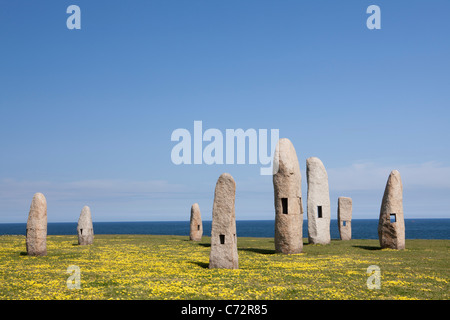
(361, 228)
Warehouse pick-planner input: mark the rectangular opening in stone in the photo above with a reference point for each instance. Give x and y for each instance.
(81, 231)
(344, 223)
(319, 211)
(198, 227)
(393, 217)
(222, 238)
(300, 204)
(284, 204)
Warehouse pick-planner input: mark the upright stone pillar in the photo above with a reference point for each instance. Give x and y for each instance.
(318, 202)
(36, 238)
(85, 228)
(196, 229)
(391, 226)
(223, 230)
(287, 187)
(345, 218)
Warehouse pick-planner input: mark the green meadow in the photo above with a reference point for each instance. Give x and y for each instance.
(172, 267)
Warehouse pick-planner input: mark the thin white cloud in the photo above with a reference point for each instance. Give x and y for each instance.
(425, 185)
(114, 200)
(370, 176)
(90, 189)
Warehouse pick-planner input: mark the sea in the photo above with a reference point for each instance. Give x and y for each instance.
(361, 228)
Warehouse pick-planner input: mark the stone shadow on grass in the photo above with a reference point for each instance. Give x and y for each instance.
(368, 247)
(201, 264)
(258, 250)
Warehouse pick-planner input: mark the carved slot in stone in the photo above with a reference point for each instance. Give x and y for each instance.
(393, 217)
(222, 238)
(319, 211)
(300, 204)
(284, 204)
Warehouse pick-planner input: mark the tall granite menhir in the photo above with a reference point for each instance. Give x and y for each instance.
(85, 228)
(287, 182)
(318, 202)
(391, 226)
(196, 229)
(345, 218)
(224, 252)
(36, 238)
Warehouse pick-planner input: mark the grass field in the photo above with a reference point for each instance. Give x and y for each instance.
(172, 267)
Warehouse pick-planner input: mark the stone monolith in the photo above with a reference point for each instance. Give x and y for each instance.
(85, 228)
(318, 205)
(196, 230)
(223, 230)
(345, 218)
(391, 226)
(287, 187)
(36, 236)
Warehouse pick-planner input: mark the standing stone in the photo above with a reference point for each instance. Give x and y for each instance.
(318, 202)
(391, 226)
(85, 228)
(345, 218)
(223, 230)
(196, 231)
(287, 187)
(37, 226)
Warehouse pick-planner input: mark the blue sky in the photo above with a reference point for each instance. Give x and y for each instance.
(86, 115)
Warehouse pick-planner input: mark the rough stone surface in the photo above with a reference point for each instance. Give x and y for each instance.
(288, 199)
(345, 217)
(196, 230)
(392, 234)
(36, 238)
(318, 196)
(224, 252)
(85, 228)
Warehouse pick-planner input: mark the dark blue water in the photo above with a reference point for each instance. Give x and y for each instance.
(361, 228)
